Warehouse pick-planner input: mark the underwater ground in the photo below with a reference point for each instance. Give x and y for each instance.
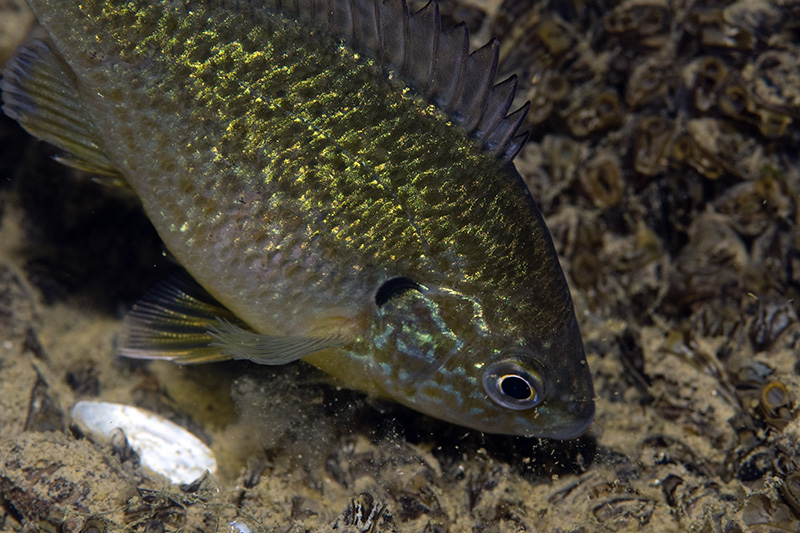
(664, 154)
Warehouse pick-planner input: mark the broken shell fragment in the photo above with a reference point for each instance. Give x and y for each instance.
(776, 404)
(238, 526)
(654, 135)
(601, 180)
(642, 22)
(163, 446)
(709, 80)
(790, 490)
(600, 112)
(649, 82)
(773, 124)
(554, 37)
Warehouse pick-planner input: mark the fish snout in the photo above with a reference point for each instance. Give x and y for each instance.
(552, 400)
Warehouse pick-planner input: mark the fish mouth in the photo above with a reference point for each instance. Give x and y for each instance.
(570, 414)
(559, 418)
(578, 418)
(562, 417)
(564, 406)
(547, 423)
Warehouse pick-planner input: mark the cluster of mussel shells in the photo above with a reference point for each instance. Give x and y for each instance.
(674, 126)
(644, 71)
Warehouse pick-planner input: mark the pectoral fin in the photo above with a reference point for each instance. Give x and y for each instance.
(268, 349)
(181, 322)
(173, 321)
(41, 93)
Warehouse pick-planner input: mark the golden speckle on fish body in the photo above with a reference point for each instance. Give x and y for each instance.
(337, 177)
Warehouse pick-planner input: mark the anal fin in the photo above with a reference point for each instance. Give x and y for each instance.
(41, 93)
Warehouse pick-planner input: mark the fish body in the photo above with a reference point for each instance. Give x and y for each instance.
(343, 197)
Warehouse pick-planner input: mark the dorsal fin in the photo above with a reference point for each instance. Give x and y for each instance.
(436, 63)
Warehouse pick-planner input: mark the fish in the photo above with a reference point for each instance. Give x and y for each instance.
(337, 179)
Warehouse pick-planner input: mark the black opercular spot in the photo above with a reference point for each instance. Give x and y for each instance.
(393, 287)
(516, 387)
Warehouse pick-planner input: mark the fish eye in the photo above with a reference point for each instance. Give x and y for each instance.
(515, 386)
(514, 383)
(394, 286)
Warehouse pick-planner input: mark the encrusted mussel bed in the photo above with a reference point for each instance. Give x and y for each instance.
(664, 150)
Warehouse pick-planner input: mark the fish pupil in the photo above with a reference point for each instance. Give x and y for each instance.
(515, 387)
(514, 383)
(393, 287)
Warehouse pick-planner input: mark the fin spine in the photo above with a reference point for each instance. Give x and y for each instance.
(435, 62)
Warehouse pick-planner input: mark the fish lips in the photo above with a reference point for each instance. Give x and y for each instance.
(568, 408)
(571, 417)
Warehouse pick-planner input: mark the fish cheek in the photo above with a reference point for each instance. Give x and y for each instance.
(413, 340)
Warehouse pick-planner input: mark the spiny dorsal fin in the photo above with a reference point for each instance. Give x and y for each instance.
(40, 92)
(437, 63)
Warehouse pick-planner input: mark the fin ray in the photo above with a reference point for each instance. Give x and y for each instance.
(172, 321)
(481, 69)
(435, 62)
(268, 349)
(180, 322)
(504, 132)
(394, 33)
(41, 94)
(499, 100)
(446, 88)
(424, 30)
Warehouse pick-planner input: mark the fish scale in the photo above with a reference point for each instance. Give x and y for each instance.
(297, 167)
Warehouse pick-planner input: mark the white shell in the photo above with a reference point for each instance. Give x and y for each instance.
(163, 446)
(239, 527)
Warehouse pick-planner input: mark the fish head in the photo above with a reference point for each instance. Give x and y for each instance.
(444, 353)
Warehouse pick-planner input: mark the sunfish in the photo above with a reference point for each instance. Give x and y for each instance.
(337, 176)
